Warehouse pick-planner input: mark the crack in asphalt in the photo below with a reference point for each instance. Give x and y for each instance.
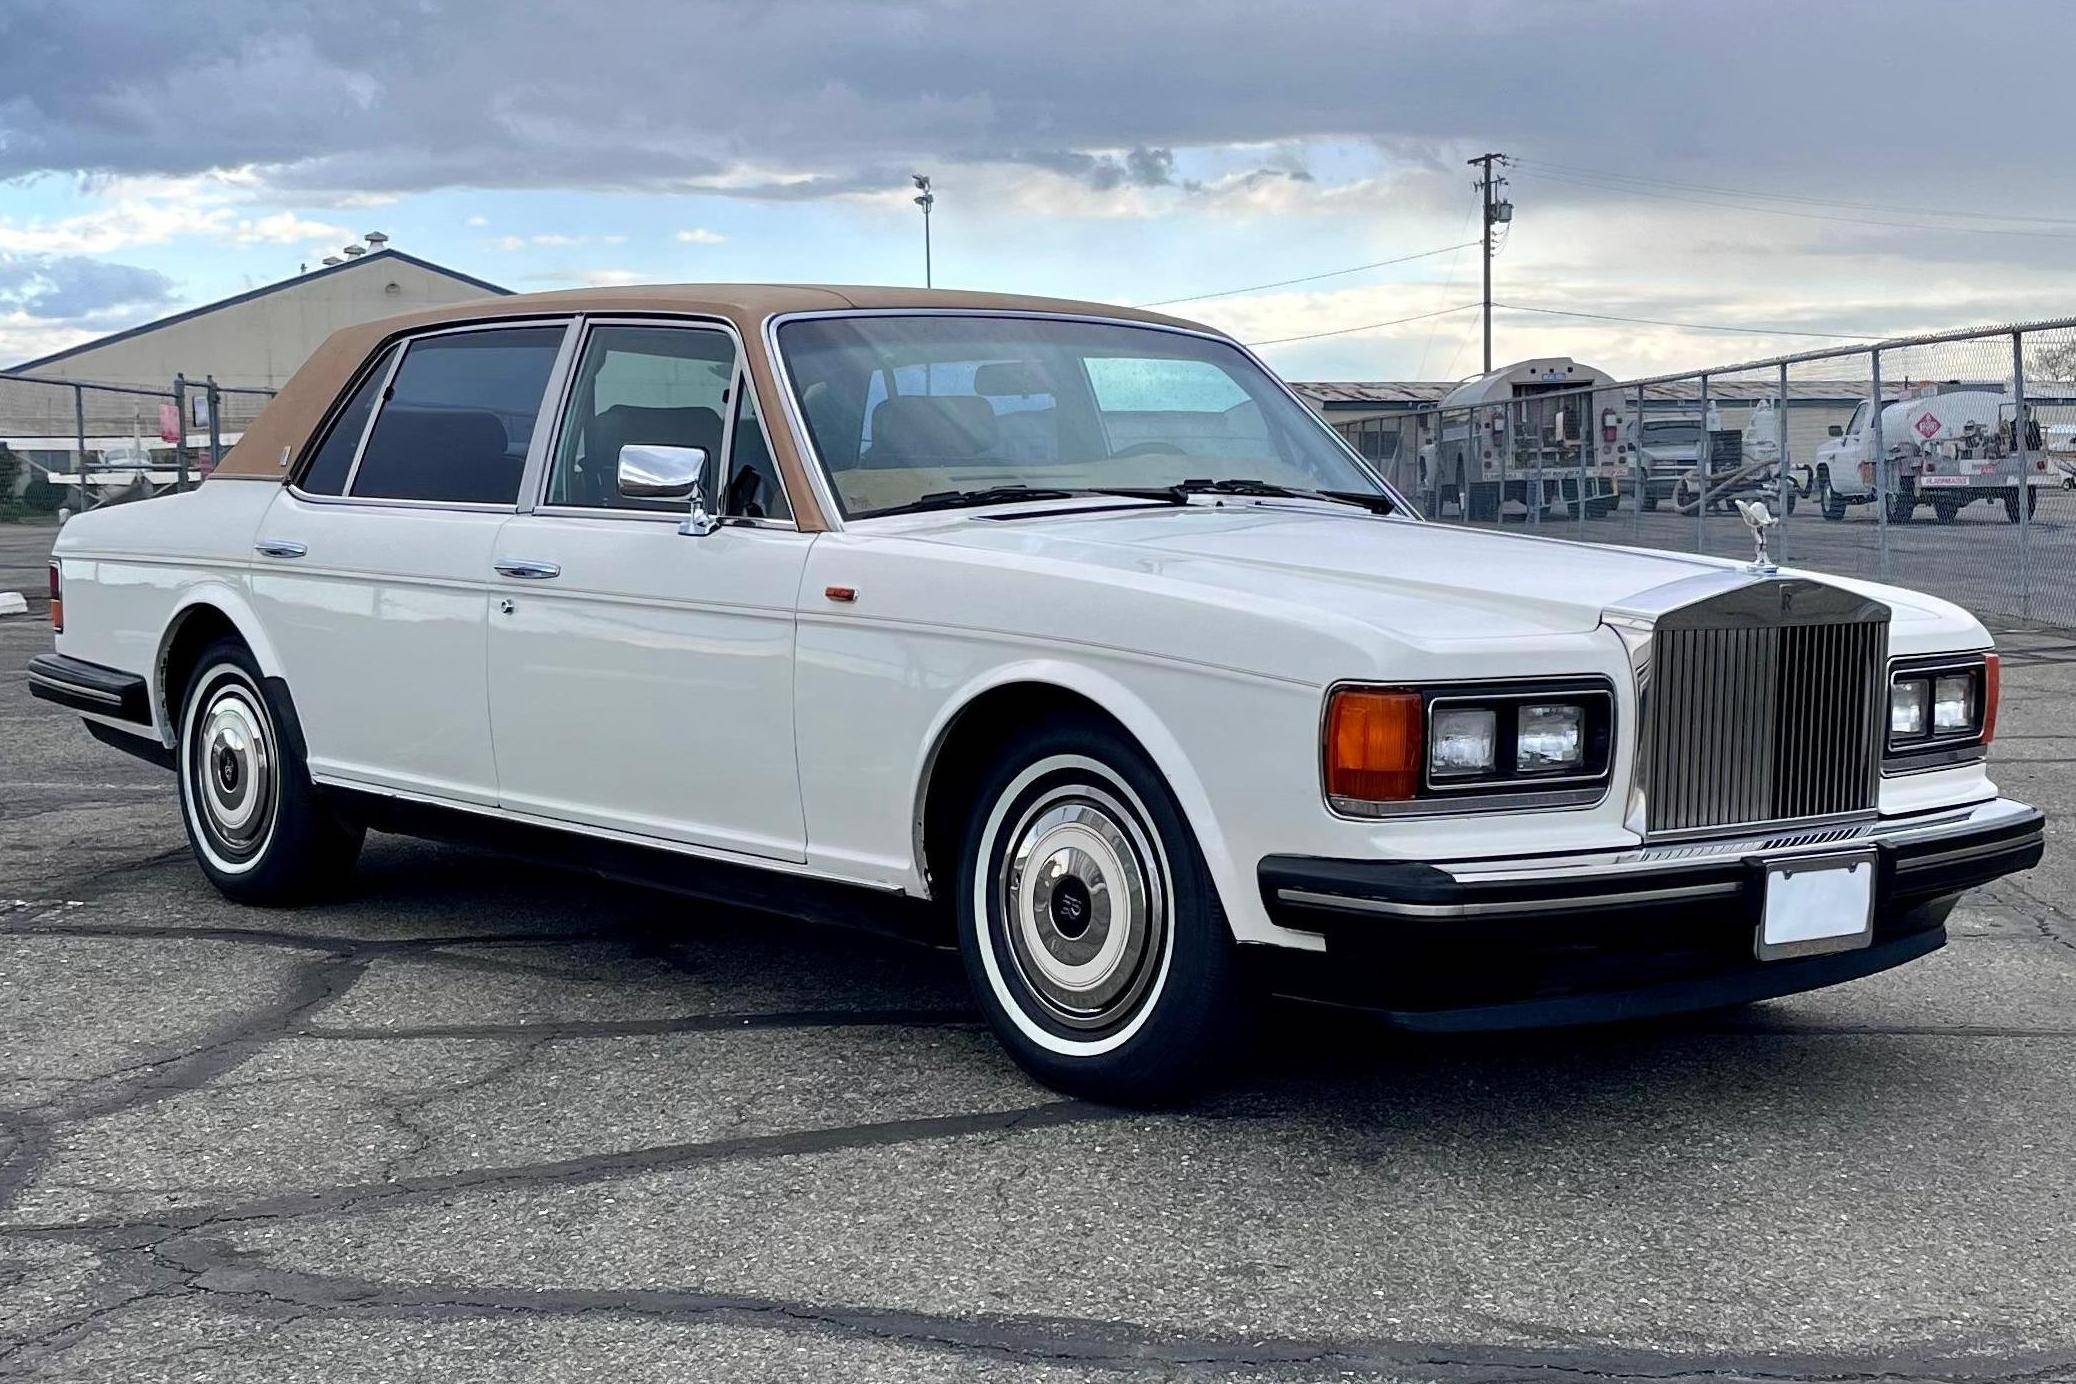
(581, 1170)
(197, 1265)
(683, 1023)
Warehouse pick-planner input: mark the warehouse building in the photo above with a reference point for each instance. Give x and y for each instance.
(256, 340)
(250, 344)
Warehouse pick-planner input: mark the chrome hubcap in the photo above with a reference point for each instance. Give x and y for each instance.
(234, 769)
(1083, 905)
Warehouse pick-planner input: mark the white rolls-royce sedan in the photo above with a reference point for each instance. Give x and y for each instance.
(1060, 629)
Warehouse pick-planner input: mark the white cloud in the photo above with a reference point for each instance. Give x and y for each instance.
(700, 235)
(476, 222)
(610, 278)
(284, 228)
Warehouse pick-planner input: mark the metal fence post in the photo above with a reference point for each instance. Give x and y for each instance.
(180, 432)
(2025, 476)
(1585, 443)
(215, 429)
(1780, 423)
(1702, 457)
(1636, 457)
(79, 439)
(1881, 472)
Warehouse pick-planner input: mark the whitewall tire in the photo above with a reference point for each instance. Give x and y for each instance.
(259, 830)
(1091, 931)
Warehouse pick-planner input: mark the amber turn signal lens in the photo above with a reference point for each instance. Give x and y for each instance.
(57, 602)
(1373, 746)
(1992, 686)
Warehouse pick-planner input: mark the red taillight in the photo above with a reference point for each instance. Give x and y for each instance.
(57, 602)
(1992, 687)
(1373, 746)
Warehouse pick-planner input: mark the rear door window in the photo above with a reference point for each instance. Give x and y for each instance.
(459, 417)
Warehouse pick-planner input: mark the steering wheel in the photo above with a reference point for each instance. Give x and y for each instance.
(1149, 449)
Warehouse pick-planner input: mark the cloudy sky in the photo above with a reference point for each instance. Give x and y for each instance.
(1774, 165)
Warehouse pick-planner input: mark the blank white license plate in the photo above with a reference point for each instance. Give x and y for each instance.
(1824, 904)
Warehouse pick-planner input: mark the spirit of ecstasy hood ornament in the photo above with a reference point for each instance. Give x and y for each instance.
(1758, 519)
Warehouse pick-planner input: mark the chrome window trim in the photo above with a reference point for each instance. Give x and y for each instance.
(1561, 798)
(743, 379)
(393, 354)
(823, 482)
(399, 346)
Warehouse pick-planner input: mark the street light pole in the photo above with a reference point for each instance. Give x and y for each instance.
(1497, 212)
(925, 199)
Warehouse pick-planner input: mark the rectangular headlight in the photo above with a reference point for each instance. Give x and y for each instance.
(1465, 741)
(1953, 704)
(1439, 748)
(1909, 708)
(1942, 709)
(1550, 737)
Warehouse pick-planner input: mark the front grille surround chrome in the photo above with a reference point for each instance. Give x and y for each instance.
(1760, 706)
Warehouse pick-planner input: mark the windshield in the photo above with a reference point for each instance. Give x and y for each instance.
(1672, 434)
(905, 407)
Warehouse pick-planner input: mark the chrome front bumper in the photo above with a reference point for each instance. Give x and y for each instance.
(1583, 938)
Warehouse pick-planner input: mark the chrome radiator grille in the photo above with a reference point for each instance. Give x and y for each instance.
(1750, 722)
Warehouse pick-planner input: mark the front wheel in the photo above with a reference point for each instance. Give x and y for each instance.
(1090, 927)
(1832, 502)
(259, 831)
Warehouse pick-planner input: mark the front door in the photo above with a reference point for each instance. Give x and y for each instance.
(641, 679)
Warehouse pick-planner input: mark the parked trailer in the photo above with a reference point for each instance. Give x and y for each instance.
(1518, 435)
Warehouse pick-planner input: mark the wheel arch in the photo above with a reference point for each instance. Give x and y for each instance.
(946, 775)
(205, 613)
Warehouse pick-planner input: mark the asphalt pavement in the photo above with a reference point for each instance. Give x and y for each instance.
(484, 1121)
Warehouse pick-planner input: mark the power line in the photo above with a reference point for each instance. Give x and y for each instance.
(1798, 215)
(1690, 326)
(1799, 198)
(1367, 326)
(1308, 278)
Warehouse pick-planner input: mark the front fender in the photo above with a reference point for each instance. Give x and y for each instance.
(1123, 704)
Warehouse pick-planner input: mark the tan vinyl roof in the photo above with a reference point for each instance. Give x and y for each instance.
(274, 439)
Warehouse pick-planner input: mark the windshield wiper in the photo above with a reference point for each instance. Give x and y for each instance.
(1180, 492)
(986, 495)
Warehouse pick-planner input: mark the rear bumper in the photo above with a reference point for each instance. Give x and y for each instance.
(83, 686)
(1588, 938)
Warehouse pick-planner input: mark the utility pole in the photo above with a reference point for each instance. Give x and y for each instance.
(1498, 212)
(925, 199)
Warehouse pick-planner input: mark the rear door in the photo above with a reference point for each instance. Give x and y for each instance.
(373, 568)
(641, 679)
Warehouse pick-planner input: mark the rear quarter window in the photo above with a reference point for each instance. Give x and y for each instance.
(326, 473)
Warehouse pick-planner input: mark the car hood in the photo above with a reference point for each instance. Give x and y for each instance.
(1426, 583)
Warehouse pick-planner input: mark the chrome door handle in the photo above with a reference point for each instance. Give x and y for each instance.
(279, 547)
(529, 571)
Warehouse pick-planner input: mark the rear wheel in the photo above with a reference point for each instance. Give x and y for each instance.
(258, 828)
(1090, 927)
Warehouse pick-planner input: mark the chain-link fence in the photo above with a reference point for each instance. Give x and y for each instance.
(1943, 462)
(93, 444)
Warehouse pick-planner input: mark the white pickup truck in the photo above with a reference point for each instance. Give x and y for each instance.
(1947, 448)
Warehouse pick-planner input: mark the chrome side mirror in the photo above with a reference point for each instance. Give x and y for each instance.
(651, 471)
